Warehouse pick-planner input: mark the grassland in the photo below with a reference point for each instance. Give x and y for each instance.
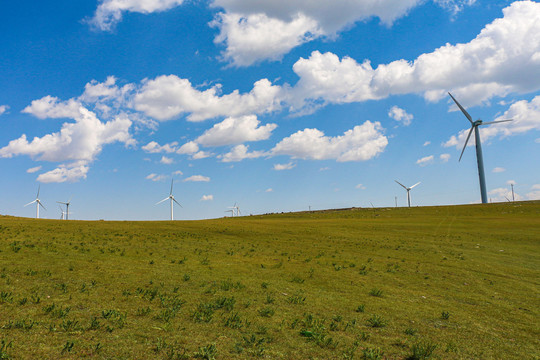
(434, 282)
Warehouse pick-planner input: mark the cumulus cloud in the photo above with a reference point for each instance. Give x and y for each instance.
(498, 170)
(425, 160)
(197, 178)
(525, 115)
(3, 109)
(109, 12)
(400, 115)
(427, 143)
(241, 152)
(169, 96)
(166, 160)
(79, 142)
(534, 194)
(188, 148)
(65, 172)
(235, 131)
(361, 143)
(269, 190)
(288, 166)
(503, 194)
(503, 58)
(34, 169)
(156, 177)
(207, 198)
(360, 186)
(153, 147)
(445, 157)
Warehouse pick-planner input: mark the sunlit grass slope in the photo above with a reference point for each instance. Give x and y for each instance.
(457, 282)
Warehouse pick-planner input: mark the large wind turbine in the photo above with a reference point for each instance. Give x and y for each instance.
(67, 207)
(170, 197)
(408, 191)
(235, 209)
(38, 203)
(479, 157)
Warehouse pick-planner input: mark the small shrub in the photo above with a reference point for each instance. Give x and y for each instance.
(207, 352)
(267, 312)
(422, 351)
(445, 315)
(376, 321)
(372, 354)
(360, 308)
(411, 331)
(376, 292)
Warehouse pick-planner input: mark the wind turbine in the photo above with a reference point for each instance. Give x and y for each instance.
(170, 197)
(235, 209)
(408, 191)
(67, 206)
(62, 213)
(479, 157)
(231, 211)
(38, 203)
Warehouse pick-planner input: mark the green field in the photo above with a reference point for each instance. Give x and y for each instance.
(458, 282)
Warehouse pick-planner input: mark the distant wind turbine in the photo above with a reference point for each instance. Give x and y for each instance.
(479, 157)
(38, 203)
(62, 213)
(231, 211)
(408, 191)
(67, 207)
(172, 199)
(235, 209)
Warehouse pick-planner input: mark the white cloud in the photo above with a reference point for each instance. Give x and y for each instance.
(109, 12)
(360, 186)
(201, 155)
(34, 169)
(269, 190)
(324, 168)
(498, 170)
(188, 148)
(511, 182)
(503, 58)
(3, 109)
(525, 115)
(288, 166)
(207, 198)
(70, 173)
(361, 143)
(503, 195)
(167, 97)
(239, 153)
(154, 147)
(425, 160)
(255, 37)
(235, 131)
(535, 192)
(445, 157)
(400, 115)
(197, 178)
(427, 143)
(52, 107)
(454, 6)
(166, 160)
(178, 172)
(156, 177)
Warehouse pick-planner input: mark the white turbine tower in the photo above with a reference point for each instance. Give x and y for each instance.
(62, 213)
(172, 199)
(408, 191)
(67, 207)
(235, 209)
(38, 203)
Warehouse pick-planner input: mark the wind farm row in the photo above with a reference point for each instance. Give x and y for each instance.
(235, 209)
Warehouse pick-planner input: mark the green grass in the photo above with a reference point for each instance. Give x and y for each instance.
(433, 282)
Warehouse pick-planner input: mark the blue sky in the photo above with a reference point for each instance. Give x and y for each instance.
(277, 106)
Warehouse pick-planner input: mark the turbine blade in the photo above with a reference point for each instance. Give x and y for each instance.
(462, 109)
(401, 184)
(418, 183)
(159, 202)
(173, 199)
(40, 204)
(495, 122)
(466, 141)
(171, 186)
(62, 202)
(39, 187)
(30, 203)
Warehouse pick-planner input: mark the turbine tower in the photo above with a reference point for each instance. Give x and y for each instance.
(479, 157)
(67, 207)
(62, 212)
(235, 209)
(172, 199)
(408, 191)
(38, 203)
